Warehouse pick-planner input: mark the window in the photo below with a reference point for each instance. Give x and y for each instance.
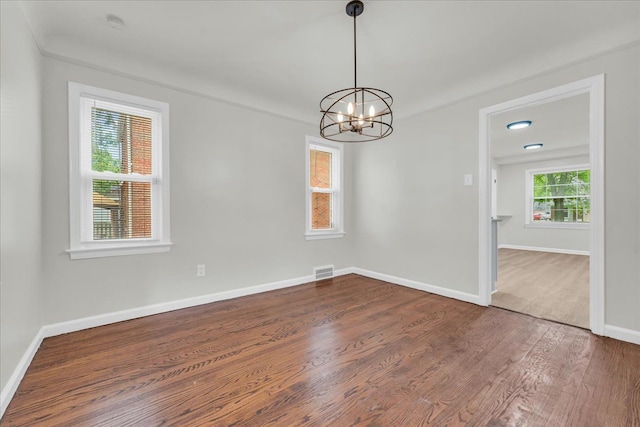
(119, 180)
(324, 189)
(559, 196)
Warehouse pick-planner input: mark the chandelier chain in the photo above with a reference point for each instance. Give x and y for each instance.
(355, 56)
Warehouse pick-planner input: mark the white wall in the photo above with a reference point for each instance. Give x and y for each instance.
(416, 220)
(237, 205)
(511, 200)
(21, 289)
(237, 198)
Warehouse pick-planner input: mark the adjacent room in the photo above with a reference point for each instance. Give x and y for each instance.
(313, 213)
(541, 172)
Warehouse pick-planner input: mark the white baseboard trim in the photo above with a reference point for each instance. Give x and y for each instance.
(622, 334)
(104, 319)
(552, 250)
(149, 310)
(445, 292)
(344, 271)
(14, 381)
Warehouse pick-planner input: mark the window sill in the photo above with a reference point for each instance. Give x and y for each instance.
(562, 225)
(327, 235)
(118, 250)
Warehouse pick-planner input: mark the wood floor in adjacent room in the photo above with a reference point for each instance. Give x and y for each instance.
(544, 284)
(347, 351)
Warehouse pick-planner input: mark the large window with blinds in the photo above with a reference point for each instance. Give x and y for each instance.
(118, 173)
(324, 189)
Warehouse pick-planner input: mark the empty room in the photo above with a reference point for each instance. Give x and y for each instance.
(322, 213)
(542, 209)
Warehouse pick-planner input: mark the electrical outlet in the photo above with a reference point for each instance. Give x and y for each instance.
(200, 270)
(468, 179)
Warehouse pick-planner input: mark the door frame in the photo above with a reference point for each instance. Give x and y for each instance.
(595, 87)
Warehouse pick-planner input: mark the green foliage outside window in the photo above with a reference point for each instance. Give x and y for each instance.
(106, 130)
(562, 196)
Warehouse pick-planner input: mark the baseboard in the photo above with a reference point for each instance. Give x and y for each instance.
(18, 373)
(552, 250)
(344, 271)
(104, 319)
(622, 334)
(149, 310)
(445, 292)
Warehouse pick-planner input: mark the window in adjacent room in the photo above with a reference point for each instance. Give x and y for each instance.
(559, 196)
(324, 189)
(119, 180)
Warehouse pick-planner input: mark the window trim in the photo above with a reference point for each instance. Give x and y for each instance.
(337, 174)
(528, 223)
(81, 244)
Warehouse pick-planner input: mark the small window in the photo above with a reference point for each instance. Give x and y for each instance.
(324, 189)
(559, 197)
(119, 181)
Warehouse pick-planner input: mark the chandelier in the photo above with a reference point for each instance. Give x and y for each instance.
(357, 114)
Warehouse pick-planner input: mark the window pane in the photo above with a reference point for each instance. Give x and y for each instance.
(583, 211)
(559, 215)
(120, 143)
(540, 185)
(541, 209)
(121, 210)
(584, 189)
(542, 191)
(320, 169)
(321, 211)
(562, 190)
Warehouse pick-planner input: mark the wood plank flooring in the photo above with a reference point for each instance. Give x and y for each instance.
(543, 284)
(349, 351)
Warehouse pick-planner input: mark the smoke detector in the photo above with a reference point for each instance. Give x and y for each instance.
(115, 22)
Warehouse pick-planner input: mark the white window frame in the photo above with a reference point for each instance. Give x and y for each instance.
(529, 223)
(337, 219)
(81, 175)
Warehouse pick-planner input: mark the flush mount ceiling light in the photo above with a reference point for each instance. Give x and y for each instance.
(532, 146)
(519, 125)
(357, 114)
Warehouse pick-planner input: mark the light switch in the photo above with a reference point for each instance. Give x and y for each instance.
(468, 179)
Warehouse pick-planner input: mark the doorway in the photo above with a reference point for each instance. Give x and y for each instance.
(541, 205)
(540, 211)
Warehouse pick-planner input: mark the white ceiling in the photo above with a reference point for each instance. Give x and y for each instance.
(284, 56)
(561, 126)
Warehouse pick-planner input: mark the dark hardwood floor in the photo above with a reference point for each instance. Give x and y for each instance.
(343, 352)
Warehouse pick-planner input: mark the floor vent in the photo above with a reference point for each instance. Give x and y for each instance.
(323, 272)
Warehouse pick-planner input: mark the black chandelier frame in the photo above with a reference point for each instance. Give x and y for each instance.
(355, 126)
